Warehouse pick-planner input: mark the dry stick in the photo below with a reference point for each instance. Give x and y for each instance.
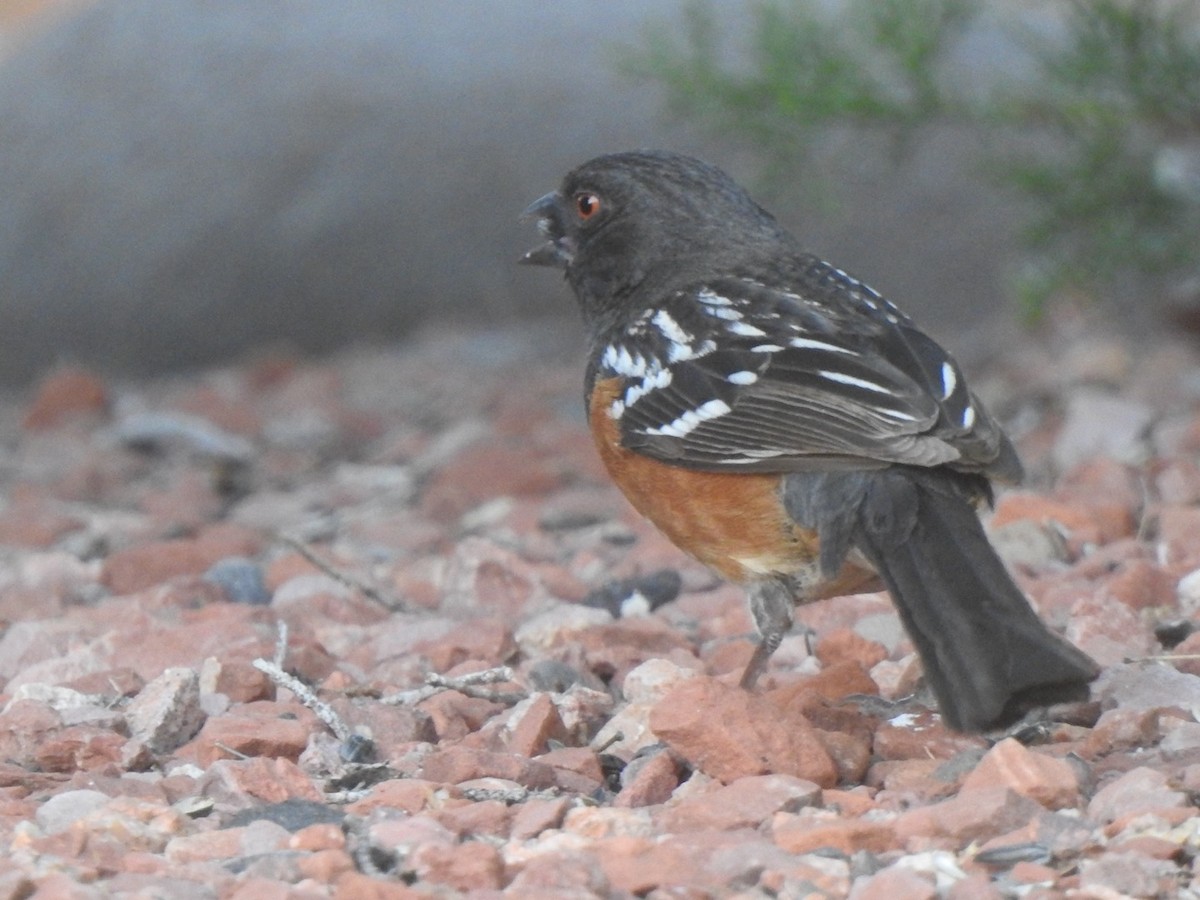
(468, 685)
(1163, 657)
(281, 642)
(355, 584)
(305, 695)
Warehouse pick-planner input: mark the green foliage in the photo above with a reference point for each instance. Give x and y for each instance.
(1099, 132)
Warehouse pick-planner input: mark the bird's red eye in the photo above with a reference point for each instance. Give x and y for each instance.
(587, 205)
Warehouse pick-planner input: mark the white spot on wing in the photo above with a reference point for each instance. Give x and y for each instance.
(765, 348)
(619, 360)
(744, 377)
(712, 298)
(899, 414)
(671, 329)
(746, 329)
(968, 418)
(852, 381)
(949, 380)
(810, 344)
(654, 380)
(683, 352)
(692, 419)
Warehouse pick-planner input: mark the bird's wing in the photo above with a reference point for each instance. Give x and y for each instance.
(739, 375)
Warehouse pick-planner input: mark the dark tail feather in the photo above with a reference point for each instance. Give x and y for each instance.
(986, 654)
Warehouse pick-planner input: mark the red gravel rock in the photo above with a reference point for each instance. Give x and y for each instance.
(834, 682)
(921, 736)
(729, 733)
(628, 730)
(649, 781)
(237, 680)
(25, 725)
(471, 866)
(689, 864)
(851, 754)
(576, 769)
(1178, 531)
(466, 819)
(238, 783)
(745, 803)
(613, 650)
(454, 765)
(484, 472)
(1129, 875)
(33, 520)
(320, 836)
(1141, 585)
(846, 645)
(80, 748)
(356, 886)
(391, 727)
(399, 835)
(532, 725)
(410, 795)
(264, 728)
(456, 715)
(66, 394)
(258, 837)
(489, 639)
(145, 565)
(1137, 791)
(325, 866)
(1107, 630)
(895, 883)
(1122, 729)
(1095, 520)
(536, 816)
(563, 873)
(1054, 783)
(812, 833)
(966, 817)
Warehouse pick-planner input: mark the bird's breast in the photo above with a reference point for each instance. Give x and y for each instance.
(734, 522)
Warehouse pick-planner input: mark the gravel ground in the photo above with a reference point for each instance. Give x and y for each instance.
(379, 627)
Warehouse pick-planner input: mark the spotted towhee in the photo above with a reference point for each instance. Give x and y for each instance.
(785, 424)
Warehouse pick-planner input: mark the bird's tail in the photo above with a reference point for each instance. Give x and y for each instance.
(986, 654)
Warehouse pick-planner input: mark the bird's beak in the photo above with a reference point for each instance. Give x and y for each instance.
(556, 251)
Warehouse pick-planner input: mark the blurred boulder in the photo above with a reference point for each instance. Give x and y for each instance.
(182, 179)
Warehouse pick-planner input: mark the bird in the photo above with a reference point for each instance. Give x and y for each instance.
(788, 426)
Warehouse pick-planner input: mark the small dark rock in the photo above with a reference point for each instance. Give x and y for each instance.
(290, 814)
(241, 579)
(637, 596)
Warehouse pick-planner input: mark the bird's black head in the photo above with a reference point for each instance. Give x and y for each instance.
(630, 226)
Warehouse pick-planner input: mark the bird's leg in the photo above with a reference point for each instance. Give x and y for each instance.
(771, 604)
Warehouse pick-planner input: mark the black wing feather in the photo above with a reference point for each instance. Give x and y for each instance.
(846, 380)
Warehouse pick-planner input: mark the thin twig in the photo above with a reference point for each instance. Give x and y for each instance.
(342, 577)
(236, 754)
(305, 695)
(470, 685)
(510, 795)
(281, 642)
(350, 796)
